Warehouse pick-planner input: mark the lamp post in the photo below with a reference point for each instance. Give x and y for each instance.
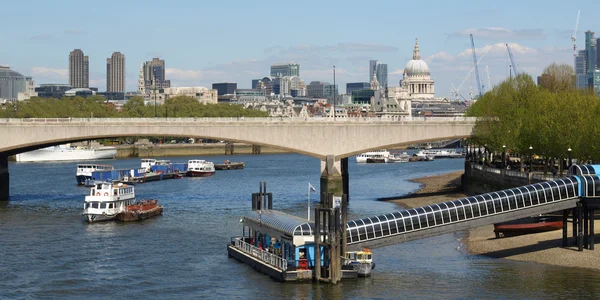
(569, 151)
(530, 156)
(504, 156)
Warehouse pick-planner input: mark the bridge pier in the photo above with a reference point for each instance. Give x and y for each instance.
(4, 178)
(331, 176)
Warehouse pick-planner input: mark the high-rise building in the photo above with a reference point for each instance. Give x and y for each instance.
(255, 83)
(152, 76)
(225, 88)
(356, 86)
(79, 69)
(289, 69)
(115, 73)
(380, 70)
(580, 74)
(590, 49)
(321, 89)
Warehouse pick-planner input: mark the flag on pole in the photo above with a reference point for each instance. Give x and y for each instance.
(312, 188)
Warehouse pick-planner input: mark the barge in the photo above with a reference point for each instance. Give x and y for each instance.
(141, 210)
(227, 165)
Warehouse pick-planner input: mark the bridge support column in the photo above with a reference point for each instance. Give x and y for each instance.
(4, 178)
(579, 227)
(574, 226)
(331, 176)
(586, 222)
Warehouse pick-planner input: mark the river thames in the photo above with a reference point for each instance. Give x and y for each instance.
(48, 251)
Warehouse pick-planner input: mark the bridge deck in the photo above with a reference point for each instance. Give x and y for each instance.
(465, 213)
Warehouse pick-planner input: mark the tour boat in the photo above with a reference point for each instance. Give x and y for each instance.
(361, 261)
(439, 153)
(377, 155)
(397, 158)
(66, 152)
(84, 171)
(200, 168)
(147, 163)
(106, 200)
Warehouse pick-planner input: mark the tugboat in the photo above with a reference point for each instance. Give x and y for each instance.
(108, 201)
(361, 261)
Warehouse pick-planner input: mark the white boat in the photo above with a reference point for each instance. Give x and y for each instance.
(397, 158)
(84, 171)
(439, 153)
(147, 163)
(107, 200)
(200, 168)
(377, 154)
(66, 152)
(361, 261)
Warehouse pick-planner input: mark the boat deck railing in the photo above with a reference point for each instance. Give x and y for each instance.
(262, 255)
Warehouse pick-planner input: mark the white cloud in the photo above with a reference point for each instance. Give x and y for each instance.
(75, 32)
(50, 73)
(499, 33)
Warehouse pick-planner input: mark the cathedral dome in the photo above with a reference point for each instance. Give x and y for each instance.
(416, 66)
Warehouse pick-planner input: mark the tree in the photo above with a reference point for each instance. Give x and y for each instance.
(558, 78)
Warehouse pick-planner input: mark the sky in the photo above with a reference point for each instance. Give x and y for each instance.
(203, 42)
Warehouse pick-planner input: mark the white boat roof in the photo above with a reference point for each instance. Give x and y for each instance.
(281, 222)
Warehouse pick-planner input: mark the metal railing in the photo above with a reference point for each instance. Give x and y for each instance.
(244, 120)
(264, 256)
(512, 173)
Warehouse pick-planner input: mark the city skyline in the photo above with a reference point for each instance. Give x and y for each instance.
(538, 36)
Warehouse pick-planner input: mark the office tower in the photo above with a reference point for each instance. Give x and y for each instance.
(281, 70)
(225, 88)
(356, 86)
(115, 73)
(380, 70)
(79, 74)
(580, 74)
(152, 76)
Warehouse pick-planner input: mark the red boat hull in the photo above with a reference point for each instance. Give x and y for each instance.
(200, 174)
(528, 225)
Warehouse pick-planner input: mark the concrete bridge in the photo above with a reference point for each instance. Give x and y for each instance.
(330, 139)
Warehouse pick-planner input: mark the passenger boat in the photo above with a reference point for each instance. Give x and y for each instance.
(439, 153)
(84, 171)
(140, 210)
(361, 261)
(528, 225)
(377, 154)
(200, 168)
(147, 163)
(106, 200)
(227, 165)
(376, 160)
(397, 158)
(67, 152)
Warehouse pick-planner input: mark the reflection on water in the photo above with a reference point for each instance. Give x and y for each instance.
(48, 250)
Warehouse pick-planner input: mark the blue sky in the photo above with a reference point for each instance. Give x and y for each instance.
(236, 41)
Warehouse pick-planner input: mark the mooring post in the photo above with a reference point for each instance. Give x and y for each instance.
(579, 227)
(317, 265)
(345, 177)
(591, 237)
(565, 217)
(574, 225)
(586, 219)
(4, 178)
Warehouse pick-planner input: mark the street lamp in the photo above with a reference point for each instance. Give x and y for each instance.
(569, 151)
(530, 157)
(504, 156)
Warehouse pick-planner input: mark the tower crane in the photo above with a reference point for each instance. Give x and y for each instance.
(512, 60)
(574, 35)
(489, 82)
(475, 63)
(457, 90)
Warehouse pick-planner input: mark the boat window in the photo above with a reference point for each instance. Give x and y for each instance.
(94, 204)
(368, 256)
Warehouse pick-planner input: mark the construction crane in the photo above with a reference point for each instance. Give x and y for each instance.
(512, 61)
(475, 63)
(574, 35)
(489, 82)
(456, 91)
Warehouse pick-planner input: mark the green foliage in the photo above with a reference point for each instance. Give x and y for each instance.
(97, 107)
(519, 114)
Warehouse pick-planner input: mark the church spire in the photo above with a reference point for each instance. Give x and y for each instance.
(416, 53)
(374, 82)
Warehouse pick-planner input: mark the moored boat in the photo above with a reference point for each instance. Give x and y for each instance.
(439, 153)
(379, 154)
(141, 210)
(227, 165)
(66, 152)
(528, 225)
(397, 158)
(361, 261)
(200, 168)
(106, 200)
(376, 160)
(84, 171)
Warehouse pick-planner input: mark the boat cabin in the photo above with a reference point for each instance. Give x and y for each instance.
(147, 163)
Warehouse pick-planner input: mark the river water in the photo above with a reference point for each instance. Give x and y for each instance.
(48, 251)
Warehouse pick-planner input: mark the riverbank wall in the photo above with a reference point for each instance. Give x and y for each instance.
(479, 179)
(157, 150)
